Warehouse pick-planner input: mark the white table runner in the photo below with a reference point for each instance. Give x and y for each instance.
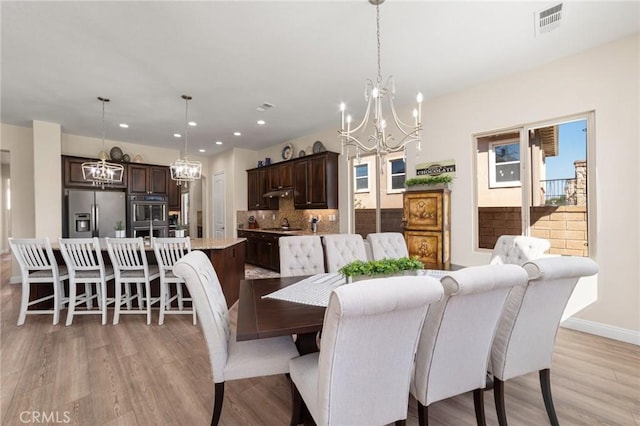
(316, 289)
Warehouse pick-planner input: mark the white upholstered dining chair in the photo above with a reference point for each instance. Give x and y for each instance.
(37, 267)
(83, 257)
(362, 373)
(301, 255)
(517, 249)
(387, 245)
(341, 249)
(455, 343)
(230, 360)
(130, 267)
(527, 329)
(168, 251)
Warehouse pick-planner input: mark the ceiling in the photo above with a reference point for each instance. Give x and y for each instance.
(305, 57)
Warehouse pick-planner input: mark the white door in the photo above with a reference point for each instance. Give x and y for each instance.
(218, 205)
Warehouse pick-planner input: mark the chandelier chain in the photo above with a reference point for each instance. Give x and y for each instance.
(378, 39)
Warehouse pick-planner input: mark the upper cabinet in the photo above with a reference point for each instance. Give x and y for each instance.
(72, 174)
(258, 181)
(315, 181)
(175, 199)
(145, 179)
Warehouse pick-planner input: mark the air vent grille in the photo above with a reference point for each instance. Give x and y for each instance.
(548, 19)
(265, 106)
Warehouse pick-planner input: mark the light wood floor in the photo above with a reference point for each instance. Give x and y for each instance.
(135, 374)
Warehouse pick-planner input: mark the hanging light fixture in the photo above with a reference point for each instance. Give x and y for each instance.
(183, 170)
(101, 172)
(378, 140)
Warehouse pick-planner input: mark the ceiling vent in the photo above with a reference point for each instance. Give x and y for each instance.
(548, 19)
(265, 106)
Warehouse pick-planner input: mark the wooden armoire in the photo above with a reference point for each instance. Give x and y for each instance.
(427, 226)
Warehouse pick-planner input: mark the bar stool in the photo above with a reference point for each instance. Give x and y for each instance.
(86, 266)
(130, 266)
(168, 251)
(38, 266)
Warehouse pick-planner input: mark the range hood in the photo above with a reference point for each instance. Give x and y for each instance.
(283, 192)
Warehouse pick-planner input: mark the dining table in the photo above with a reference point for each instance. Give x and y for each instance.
(262, 317)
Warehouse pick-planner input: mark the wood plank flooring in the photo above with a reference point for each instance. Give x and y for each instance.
(138, 374)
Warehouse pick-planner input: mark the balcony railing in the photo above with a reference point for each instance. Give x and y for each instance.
(560, 192)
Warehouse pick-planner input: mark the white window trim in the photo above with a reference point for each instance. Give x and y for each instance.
(492, 166)
(391, 190)
(355, 179)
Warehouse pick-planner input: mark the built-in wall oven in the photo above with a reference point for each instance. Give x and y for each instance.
(148, 216)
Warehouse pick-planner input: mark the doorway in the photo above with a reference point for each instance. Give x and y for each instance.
(219, 207)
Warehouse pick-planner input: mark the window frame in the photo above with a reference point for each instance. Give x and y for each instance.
(356, 178)
(390, 176)
(493, 183)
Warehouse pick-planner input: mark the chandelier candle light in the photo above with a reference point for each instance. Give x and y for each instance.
(379, 142)
(100, 172)
(184, 170)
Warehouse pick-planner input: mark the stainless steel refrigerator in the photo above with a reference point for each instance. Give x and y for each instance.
(94, 213)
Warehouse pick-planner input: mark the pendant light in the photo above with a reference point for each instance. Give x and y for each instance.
(184, 170)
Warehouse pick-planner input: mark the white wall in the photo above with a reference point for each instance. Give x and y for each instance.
(47, 190)
(604, 80)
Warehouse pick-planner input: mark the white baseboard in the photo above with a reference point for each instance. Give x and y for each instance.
(604, 330)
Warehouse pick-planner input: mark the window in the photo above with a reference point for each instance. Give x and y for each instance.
(361, 173)
(504, 164)
(396, 175)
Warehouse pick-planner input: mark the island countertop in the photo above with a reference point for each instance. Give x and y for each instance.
(214, 243)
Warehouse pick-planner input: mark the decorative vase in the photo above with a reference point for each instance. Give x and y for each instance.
(179, 233)
(120, 233)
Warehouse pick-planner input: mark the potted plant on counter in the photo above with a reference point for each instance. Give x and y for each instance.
(359, 269)
(119, 228)
(180, 227)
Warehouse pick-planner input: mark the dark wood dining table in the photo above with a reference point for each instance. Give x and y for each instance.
(260, 318)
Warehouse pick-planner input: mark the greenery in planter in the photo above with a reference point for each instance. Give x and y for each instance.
(180, 226)
(119, 226)
(428, 180)
(380, 267)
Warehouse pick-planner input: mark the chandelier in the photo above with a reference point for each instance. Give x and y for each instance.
(100, 172)
(184, 170)
(379, 141)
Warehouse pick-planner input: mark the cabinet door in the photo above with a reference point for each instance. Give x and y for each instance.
(423, 210)
(158, 180)
(72, 174)
(175, 200)
(317, 183)
(286, 175)
(427, 246)
(252, 190)
(274, 178)
(138, 176)
(300, 186)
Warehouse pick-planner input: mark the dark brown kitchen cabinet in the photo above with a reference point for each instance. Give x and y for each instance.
(144, 179)
(72, 174)
(175, 199)
(281, 176)
(257, 185)
(262, 249)
(315, 182)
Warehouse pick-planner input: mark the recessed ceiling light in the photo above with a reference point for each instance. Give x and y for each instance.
(218, 142)
(237, 134)
(193, 123)
(177, 135)
(261, 122)
(202, 150)
(124, 125)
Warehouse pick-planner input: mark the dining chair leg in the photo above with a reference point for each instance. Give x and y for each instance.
(296, 406)
(147, 298)
(478, 402)
(217, 404)
(163, 301)
(24, 302)
(118, 302)
(423, 414)
(498, 397)
(73, 290)
(545, 385)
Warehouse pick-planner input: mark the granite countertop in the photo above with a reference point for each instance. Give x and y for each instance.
(214, 243)
(285, 233)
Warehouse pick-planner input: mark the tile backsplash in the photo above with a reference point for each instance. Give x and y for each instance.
(297, 218)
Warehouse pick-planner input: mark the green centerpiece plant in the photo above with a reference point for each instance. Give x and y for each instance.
(428, 180)
(380, 267)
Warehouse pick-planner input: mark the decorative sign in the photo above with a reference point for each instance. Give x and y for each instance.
(437, 168)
